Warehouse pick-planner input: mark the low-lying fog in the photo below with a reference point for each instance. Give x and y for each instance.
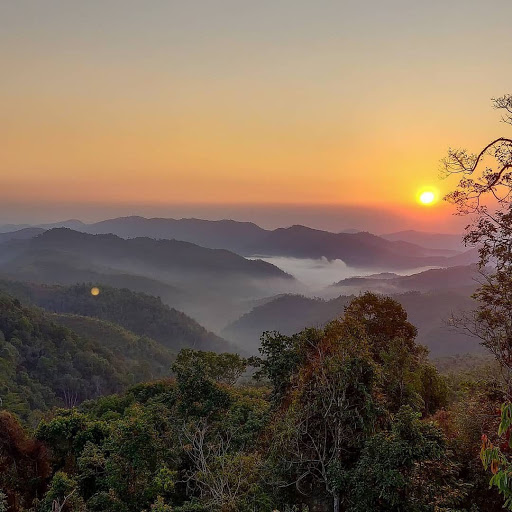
(317, 274)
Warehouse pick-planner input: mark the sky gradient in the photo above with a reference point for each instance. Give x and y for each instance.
(162, 106)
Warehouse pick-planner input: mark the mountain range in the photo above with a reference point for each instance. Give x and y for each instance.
(208, 284)
(429, 240)
(359, 249)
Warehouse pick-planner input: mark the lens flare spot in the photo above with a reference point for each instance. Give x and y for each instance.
(95, 291)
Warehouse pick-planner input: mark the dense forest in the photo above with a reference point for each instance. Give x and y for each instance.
(61, 360)
(352, 415)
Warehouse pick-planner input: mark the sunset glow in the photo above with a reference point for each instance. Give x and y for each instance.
(427, 197)
(158, 106)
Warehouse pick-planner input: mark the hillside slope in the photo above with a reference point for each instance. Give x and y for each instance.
(459, 277)
(429, 240)
(161, 255)
(355, 249)
(429, 312)
(146, 358)
(139, 313)
(44, 364)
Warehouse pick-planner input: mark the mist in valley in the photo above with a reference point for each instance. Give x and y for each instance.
(318, 275)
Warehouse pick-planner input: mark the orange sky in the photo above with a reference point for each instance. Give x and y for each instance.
(334, 103)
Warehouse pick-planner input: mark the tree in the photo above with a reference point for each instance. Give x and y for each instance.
(223, 368)
(3, 502)
(225, 477)
(24, 464)
(334, 388)
(384, 320)
(61, 495)
(219, 441)
(385, 474)
(407, 376)
(484, 193)
(326, 411)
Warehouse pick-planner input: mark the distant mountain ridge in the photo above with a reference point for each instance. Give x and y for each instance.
(428, 280)
(159, 254)
(356, 249)
(428, 240)
(20, 234)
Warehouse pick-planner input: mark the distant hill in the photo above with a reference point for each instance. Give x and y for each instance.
(468, 257)
(434, 279)
(161, 255)
(292, 313)
(355, 249)
(8, 228)
(287, 314)
(215, 234)
(21, 234)
(54, 267)
(71, 223)
(139, 313)
(467, 364)
(358, 249)
(429, 240)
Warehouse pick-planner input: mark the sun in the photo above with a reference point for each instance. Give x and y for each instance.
(427, 197)
(95, 291)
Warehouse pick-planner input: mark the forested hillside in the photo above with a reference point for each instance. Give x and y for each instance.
(140, 313)
(45, 364)
(146, 358)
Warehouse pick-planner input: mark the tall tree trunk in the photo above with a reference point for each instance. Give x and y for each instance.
(337, 502)
(319, 504)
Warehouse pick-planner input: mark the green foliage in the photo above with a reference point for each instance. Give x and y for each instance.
(334, 388)
(24, 467)
(160, 506)
(44, 364)
(62, 492)
(3, 502)
(281, 357)
(383, 476)
(384, 320)
(340, 424)
(137, 312)
(496, 458)
(222, 368)
(144, 358)
(140, 451)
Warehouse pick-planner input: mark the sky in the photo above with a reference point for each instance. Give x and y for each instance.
(277, 111)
